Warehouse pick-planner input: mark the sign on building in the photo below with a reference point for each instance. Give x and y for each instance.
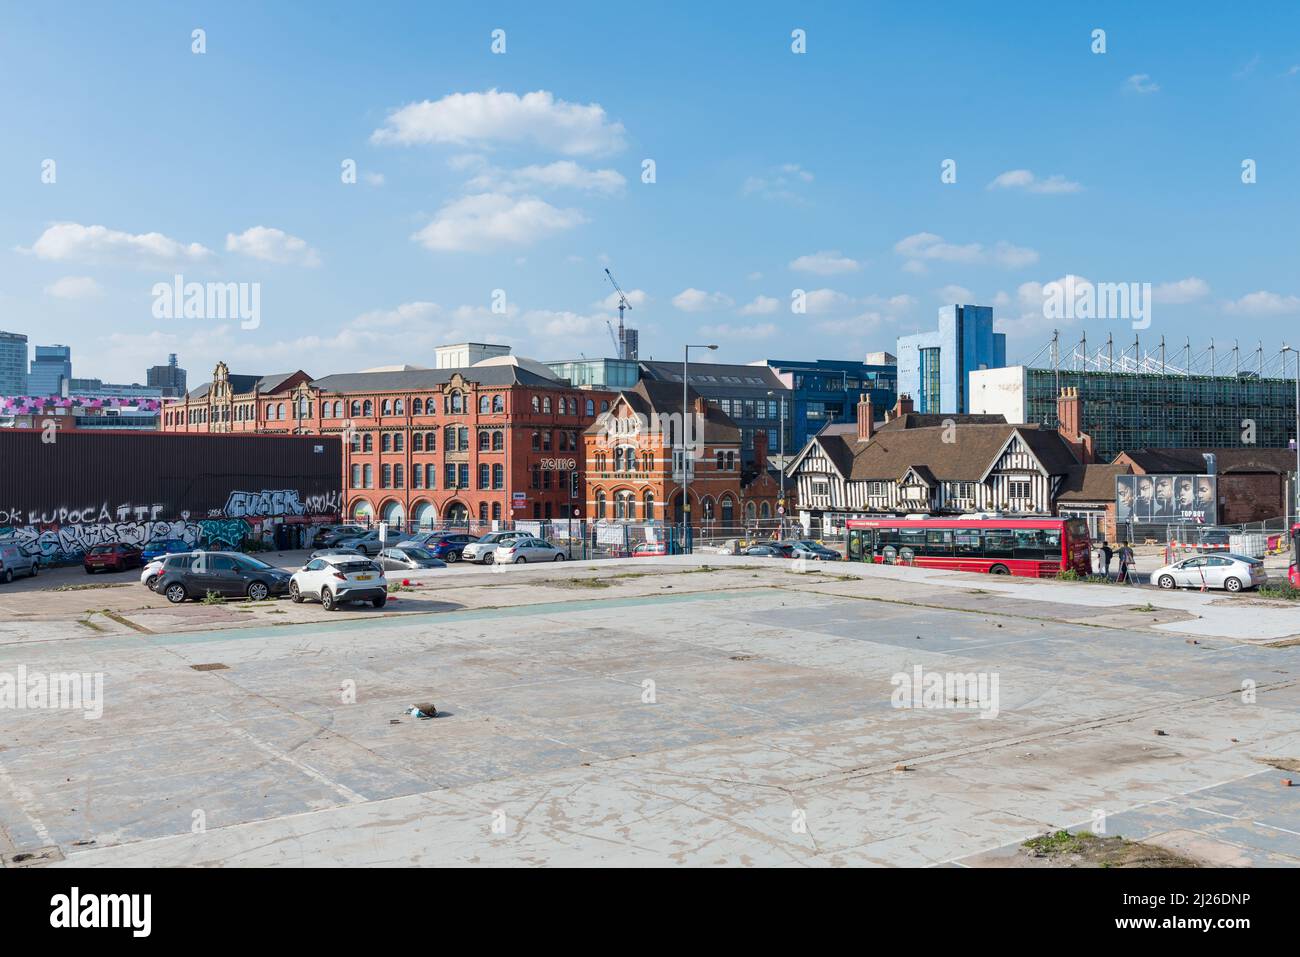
(1162, 499)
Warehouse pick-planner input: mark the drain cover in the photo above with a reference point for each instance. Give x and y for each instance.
(211, 666)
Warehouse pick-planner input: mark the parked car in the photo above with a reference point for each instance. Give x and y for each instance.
(335, 579)
(408, 558)
(1293, 575)
(336, 550)
(483, 551)
(152, 569)
(166, 546)
(648, 549)
(367, 543)
(13, 561)
(113, 558)
(769, 550)
(449, 546)
(528, 549)
(228, 574)
(1222, 570)
(814, 551)
(333, 534)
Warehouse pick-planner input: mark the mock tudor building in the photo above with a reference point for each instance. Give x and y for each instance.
(935, 464)
(494, 441)
(634, 459)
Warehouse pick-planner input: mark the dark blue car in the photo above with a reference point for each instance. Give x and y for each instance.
(166, 546)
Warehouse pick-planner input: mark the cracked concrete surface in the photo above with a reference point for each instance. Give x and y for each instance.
(769, 739)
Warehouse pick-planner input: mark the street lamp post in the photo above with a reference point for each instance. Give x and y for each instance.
(1295, 484)
(686, 472)
(780, 502)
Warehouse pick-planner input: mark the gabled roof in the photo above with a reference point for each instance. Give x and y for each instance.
(1192, 461)
(650, 398)
(922, 472)
(1091, 483)
(966, 456)
(416, 380)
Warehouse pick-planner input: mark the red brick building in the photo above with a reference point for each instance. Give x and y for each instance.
(497, 441)
(630, 463)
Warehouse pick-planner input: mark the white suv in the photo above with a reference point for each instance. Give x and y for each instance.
(483, 552)
(335, 579)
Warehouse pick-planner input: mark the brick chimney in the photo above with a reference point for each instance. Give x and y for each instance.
(1069, 416)
(903, 406)
(866, 418)
(760, 450)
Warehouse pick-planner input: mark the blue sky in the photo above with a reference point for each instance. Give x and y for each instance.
(522, 172)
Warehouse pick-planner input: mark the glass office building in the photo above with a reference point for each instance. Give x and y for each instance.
(13, 363)
(824, 391)
(51, 368)
(613, 374)
(933, 367)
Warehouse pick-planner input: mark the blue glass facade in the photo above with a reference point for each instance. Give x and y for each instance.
(934, 367)
(827, 390)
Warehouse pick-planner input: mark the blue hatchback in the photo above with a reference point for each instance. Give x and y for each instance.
(166, 546)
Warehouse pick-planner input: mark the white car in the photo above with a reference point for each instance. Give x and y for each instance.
(335, 579)
(151, 571)
(1222, 570)
(528, 549)
(483, 552)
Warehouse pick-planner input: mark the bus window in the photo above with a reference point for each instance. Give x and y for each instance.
(1051, 544)
(911, 542)
(856, 551)
(938, 543)
(999, 542)
(966, 542)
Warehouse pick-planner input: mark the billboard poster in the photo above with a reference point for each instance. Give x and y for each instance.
(1166, 499)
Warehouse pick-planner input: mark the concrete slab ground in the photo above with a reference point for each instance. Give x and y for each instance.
(651, 712)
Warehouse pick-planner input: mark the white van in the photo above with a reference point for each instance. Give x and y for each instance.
(14, 562)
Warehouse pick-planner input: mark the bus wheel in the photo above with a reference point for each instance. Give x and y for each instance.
(999, 570)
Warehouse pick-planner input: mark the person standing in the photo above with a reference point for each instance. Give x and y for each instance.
(1106, 555)
(1123, 561)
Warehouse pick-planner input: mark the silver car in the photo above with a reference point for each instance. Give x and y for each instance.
(14, 561)
(1224, 570)
(483, 552)
(528, 549)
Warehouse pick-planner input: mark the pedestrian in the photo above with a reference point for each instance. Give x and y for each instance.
(1126, 561)
(1106, 555)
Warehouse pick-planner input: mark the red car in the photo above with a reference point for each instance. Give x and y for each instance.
(1293, 576)
(113, 558)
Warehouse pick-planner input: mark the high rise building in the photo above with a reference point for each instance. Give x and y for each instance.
(13, 363)
(934, 367)
(51, 368)
(170, 378)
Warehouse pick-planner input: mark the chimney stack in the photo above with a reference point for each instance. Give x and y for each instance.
(866, 418)
(760, 450)
(903, 406)
(1069, 416)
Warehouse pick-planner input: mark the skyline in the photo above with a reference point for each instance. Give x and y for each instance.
(522, 172)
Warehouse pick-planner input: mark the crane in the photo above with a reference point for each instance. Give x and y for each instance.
(620, 341)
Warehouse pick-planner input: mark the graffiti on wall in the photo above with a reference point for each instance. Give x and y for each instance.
(65, 534)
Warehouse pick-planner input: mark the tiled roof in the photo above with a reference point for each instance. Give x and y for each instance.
(1091, 483)
(1192, 461)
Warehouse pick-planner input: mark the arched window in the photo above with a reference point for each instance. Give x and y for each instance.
(431, 441)
(498, 441)
(462, 438)
(600, 505)
(368, 408)
(457, 403)
(484, 441)
(398, 407)
(369, 481)
(399, 441)
(720, 460)
(386, 443)
(591, 407)
(484, 403)
(399, 476)
(356, 476)
(728, 511)
(648, 506)
(385, 476)
(731, 461)
(367, 443)
(386, 408)
(765, 511)
(537, 404)
(546, 404)
(498, 403)
(484, 476)
(498, 476)
(417, 407)
(417, 476)
(706, 510)
(496, 511)
(624, 507)
(604, 405)
(431, 476)
(449, 439)
(417, 441)
(356, 408)
(537, 441)
(482, 511)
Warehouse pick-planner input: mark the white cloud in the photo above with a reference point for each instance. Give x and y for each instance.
(761, 306)
(1029, 315)
(562, 174)
(1013, 257)
(1181, 292)
(860, 325)
(1026, 180)
(828, 262)
(273, 246)
(920, 248)
(73, 242)
(697, 300)
(954, 293)
(724, 330)
(1141, 83)
(495, 118)
(782, 183)
(1264, 303)
(488, 220)
(74, 287)
(637, 297)
(822, 301)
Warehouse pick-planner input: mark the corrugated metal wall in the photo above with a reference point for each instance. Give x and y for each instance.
(193, 474)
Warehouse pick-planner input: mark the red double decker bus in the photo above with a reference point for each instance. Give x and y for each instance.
(1032, 547)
